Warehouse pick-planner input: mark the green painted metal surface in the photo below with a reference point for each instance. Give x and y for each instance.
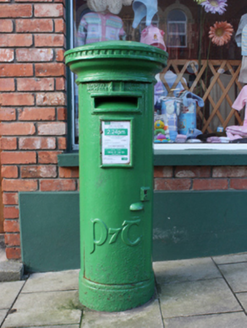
(214, 157)
(165, 157)
(49, 226)
(185, 225)
(68, 160)
(198, 224)
(115, 120)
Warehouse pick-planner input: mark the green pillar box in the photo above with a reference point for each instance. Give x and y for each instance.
(116, 171)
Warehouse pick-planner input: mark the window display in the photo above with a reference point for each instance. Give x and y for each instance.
(198, 97)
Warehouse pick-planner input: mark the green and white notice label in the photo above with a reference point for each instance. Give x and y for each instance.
(115, 142)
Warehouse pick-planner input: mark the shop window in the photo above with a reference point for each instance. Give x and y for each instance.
(194, 103)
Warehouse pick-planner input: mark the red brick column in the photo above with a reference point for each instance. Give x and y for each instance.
(32, 105)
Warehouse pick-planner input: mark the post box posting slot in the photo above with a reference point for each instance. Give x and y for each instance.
(117, 102)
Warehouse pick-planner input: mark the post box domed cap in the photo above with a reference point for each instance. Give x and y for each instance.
(137, 61)
(117, 49)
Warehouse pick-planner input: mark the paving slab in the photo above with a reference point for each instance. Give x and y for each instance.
(44, 309)
(2, 253)
(236, 276)
(56, 326)
(2, 315)
(51, 281)
(232, 258)
(11, 270)
(185, 270)
(223, 320)
(243, 300)
(198, 297)
(9, 292)
(145, 316)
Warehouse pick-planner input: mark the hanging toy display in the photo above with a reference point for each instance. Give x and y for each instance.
(241, 40)
(112, 6)
(238, 35)
(154, 37)
(144, 8)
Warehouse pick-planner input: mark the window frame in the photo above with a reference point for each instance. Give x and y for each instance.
(185, 23)
(73, 147)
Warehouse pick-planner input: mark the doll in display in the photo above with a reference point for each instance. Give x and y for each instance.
(236, 132)
(113, 6)
(241, 40)
(102, 24)
(95, 27)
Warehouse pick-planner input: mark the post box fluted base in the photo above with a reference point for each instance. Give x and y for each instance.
(113, 298)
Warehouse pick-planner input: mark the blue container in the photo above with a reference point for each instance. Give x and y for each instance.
(187, 116)
(171, 107)
(187, 119)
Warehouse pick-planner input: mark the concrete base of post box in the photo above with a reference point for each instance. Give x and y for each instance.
(114, 298)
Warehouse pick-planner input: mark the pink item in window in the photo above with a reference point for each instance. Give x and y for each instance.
(236, 131)
(153, 36)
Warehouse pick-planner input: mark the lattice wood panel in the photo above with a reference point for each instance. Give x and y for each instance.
(207, 77)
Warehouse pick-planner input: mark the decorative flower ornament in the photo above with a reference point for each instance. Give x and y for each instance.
(221, 33)
(215, 6)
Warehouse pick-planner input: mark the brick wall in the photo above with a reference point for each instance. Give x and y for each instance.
(200, 178)
(32, 105)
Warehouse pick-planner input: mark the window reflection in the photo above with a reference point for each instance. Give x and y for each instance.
(197, 64)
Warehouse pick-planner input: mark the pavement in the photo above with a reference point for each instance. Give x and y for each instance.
(196, 293)
(9, 270)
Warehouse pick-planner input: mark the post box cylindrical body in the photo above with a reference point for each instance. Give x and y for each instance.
(115, 82)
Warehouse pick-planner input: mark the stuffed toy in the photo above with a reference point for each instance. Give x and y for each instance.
(235, 131)
(153, 36)
(241, 40)
(161, 131)
(114, 6)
